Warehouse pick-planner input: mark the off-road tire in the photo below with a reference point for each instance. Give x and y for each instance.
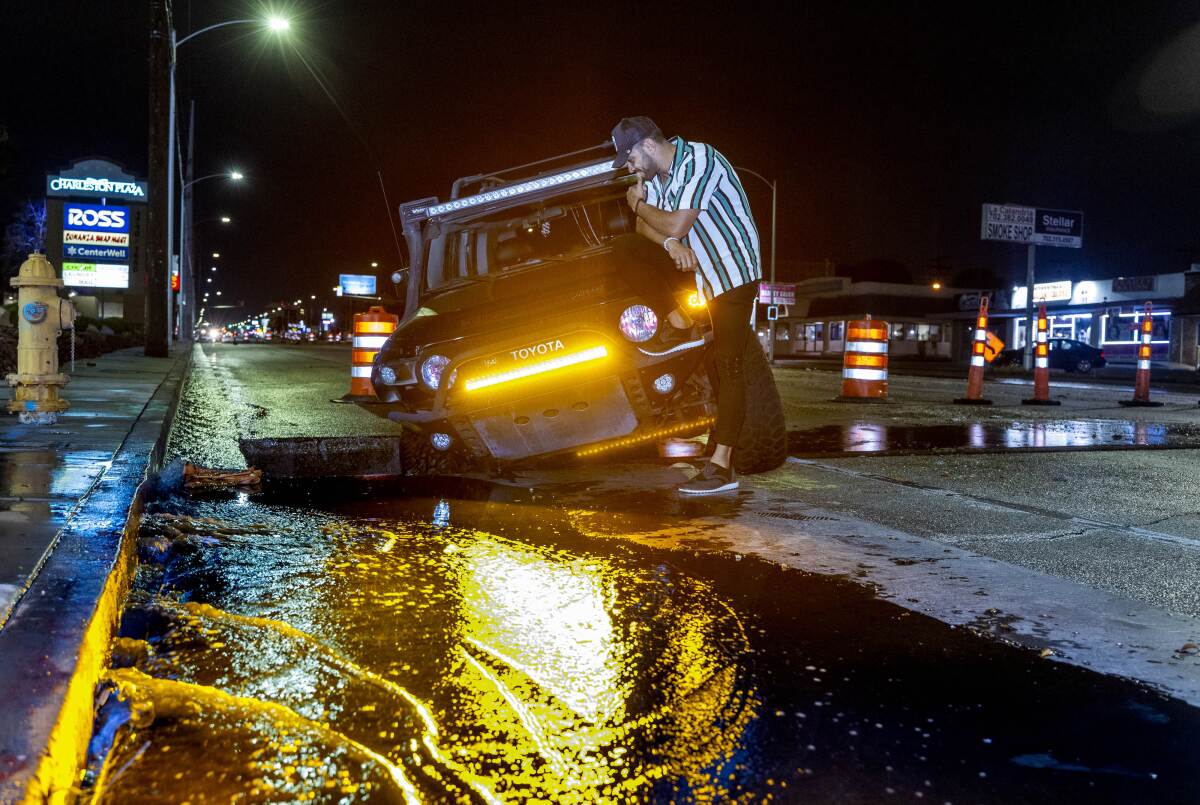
(419, 457)
(762, 444)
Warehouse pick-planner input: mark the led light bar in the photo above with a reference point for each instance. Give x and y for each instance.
(645, 437)
(541, 367)
(531, 186)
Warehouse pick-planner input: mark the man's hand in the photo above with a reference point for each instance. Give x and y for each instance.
(635, 193)
(684, 257)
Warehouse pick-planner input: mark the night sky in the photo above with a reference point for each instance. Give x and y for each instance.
(886, 124)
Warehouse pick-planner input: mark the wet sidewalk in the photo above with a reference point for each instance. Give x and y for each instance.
(47, 471)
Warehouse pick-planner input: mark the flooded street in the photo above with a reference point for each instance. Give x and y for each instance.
(473, 639)
(456, 641)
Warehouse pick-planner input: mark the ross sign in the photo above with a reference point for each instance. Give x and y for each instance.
(1041, 227)
(1133, 284)
(356, 285)
(95, 218)
(776, 293)
(95, 275)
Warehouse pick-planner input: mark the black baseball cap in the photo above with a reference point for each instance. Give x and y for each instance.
(628, 133)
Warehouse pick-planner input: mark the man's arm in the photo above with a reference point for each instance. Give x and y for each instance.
(668, 224)
(674, 224)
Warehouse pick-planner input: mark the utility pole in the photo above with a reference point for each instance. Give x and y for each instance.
(158, 271)
(1030, 262)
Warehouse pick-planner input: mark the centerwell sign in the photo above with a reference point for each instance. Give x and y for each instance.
(1041, 227)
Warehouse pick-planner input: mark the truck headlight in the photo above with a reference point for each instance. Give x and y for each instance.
(638, 323)
(431, 370)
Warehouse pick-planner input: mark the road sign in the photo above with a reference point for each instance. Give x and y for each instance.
(1041, 227)
(992, 347)
(356, 284)
(776, 293)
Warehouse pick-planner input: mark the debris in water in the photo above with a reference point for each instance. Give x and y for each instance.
(198, 478)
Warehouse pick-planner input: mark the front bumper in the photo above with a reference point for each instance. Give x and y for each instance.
(562, 409)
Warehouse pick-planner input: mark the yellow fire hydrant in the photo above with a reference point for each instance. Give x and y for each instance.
(42, 315)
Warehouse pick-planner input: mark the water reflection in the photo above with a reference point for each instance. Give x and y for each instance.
(871, 437)
(394, 658)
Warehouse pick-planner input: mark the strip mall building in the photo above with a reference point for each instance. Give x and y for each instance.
(938, 323)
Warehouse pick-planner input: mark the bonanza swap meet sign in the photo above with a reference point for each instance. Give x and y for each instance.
(1041, 227)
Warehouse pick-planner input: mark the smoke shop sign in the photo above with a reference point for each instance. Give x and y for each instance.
(1042, 227)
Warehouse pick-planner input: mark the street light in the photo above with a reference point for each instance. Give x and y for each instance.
(276, 24)
(185, 232)
(225, 219)
(216, 255)
(774, 185)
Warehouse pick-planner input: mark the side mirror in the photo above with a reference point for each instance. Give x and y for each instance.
(400, 282)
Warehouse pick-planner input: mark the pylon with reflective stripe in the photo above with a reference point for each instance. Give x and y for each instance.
(978, 348)
(865, 362)
(1141, 382)
(1041, 364)
(371, 329)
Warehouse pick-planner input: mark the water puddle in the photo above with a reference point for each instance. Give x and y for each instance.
(872, 437)
(465, 643)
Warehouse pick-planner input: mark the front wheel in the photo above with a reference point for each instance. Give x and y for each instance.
(762, 443)
(1084, 366)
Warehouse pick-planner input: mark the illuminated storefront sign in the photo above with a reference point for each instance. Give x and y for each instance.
(98, 238)
(95, 275)
(1043, 292)
(98, 187)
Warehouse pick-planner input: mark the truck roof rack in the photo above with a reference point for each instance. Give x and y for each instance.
(501, 190)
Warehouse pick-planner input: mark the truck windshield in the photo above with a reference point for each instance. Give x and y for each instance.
(526, 236)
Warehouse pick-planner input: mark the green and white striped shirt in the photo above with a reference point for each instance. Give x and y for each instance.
(723, 237)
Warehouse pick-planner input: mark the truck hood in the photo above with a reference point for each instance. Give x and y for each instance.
(523, 296)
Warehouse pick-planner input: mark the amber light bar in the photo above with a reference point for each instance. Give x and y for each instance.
(645, 437)
(541, 367)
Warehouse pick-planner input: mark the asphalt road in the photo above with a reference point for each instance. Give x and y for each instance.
(848, 628)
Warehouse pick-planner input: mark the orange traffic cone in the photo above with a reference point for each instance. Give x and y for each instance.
(1141, 382)
(371, 329)
(975, 373)
(865, 362)
(1041, 364)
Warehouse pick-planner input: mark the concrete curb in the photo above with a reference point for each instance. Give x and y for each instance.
(55, 645)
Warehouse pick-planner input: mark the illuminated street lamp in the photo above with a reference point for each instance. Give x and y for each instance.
(216, 255)
(225, 219)
(274, 23)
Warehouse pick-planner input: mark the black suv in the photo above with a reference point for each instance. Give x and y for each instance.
(519, 340)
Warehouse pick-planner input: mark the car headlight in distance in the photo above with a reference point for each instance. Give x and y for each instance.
(638, 323)
(431, 370)
(388, 375)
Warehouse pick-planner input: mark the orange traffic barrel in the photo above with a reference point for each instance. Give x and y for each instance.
(1141, 382)
(979, 348)
(865, 362)
(1041, 364)
(371, 329)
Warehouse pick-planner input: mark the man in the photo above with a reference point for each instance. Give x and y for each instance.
(690, 207)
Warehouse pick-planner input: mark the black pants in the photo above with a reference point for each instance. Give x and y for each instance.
(652, 275)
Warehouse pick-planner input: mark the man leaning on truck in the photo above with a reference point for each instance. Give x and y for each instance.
(689, 202)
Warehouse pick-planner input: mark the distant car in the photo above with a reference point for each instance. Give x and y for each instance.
(1065, 353)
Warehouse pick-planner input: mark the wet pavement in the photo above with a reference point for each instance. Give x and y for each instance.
(453, 640)
(1064, 434)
